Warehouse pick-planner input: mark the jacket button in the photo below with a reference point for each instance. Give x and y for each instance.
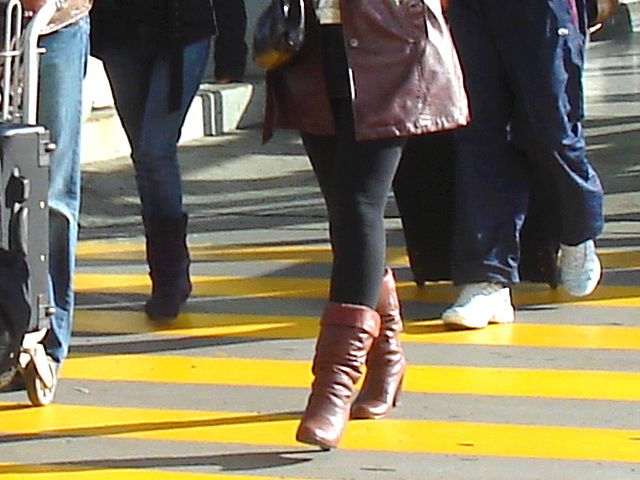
(353, 42)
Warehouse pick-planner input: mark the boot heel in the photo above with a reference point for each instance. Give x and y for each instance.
(386, 363)
(396, 397)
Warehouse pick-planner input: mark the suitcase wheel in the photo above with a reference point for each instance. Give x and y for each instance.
(39, 393)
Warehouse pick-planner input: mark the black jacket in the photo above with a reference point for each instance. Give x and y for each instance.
(152, 28)
(158, 24)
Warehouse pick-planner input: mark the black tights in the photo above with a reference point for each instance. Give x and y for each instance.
(355, 178)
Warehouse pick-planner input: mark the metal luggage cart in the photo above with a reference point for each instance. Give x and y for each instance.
(25, 148)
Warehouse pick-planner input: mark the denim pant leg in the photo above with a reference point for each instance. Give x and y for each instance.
(523, 71)
(491, 187)
(152, 129)
(62, 70)
(547, 124)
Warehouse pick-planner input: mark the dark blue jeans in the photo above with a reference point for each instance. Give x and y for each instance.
(140, 82)
(523, 65)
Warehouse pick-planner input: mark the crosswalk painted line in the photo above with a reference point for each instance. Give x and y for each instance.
(515, 438)
(101, 471)
(287, 287)
(423, 436)
(470, 380)
(318, 253)
(421, 331)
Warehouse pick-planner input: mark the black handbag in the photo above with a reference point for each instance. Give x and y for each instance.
(279, 33)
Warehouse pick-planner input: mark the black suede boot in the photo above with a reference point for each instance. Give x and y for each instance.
(168, 259)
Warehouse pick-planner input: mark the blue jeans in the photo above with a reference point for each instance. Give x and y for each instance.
(62, 69)
(140, 82)
(523, 68)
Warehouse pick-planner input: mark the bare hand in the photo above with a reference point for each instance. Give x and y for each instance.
(32, 5)
(445, 5)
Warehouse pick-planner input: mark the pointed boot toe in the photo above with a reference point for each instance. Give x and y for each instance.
(320, 436)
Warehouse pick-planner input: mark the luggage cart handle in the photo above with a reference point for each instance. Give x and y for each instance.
(31, 53)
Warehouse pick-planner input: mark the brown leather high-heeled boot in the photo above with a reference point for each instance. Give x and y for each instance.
(346, 335)
(386, 363)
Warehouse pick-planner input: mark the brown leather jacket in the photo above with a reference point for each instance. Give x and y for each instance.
(406, 78)
(68, 12)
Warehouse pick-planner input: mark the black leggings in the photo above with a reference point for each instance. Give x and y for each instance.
(355, 178)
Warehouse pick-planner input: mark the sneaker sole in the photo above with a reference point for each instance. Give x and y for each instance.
(458, 322)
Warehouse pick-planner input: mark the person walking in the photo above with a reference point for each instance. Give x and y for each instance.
(230, 48)
(62, 69)
(371, 73)
(155, 54)
(523, 66)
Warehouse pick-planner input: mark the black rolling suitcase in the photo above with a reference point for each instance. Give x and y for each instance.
(425, 197)
(25, 306)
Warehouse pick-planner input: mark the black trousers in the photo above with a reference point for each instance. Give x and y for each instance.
(230, 48)
(355, 178)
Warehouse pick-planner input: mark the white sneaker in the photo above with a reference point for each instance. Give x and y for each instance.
(580, 268)
(478, 305)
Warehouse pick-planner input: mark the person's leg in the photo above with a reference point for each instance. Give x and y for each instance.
(230, 48)
(154, 131)
(550, 111)
(128, 68)
(491, 185)
(62, 70)
(356, 182)
(547, 66)
(355, 178)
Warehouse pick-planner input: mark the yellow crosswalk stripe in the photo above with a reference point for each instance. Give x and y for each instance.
(424, 436)
(128, 250)
(582, 384)
(277, 429)
(422, 331)
(92, 470)
(318, 253)
(281, 287)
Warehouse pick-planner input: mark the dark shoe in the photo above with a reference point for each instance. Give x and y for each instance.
(346, 335)
(166, 305)
(16, 384)
(168, 259)
(386, 363)
(539, 263)
(227, 81)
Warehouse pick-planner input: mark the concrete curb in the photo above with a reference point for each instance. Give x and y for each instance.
(216, 109)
